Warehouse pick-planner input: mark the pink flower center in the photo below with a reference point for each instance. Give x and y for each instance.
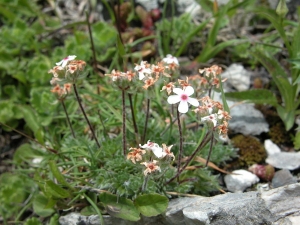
(66, 58)
(184, 97)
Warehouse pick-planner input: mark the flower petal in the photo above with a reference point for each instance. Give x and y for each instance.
(189, 90)
(183, 107)
(173, 99)
(178, 91)
(193, 102)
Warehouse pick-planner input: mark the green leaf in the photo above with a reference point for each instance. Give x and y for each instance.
(40, 203)
(297, 141)
(55, 190)
(280, 77)
(118, 115)
(210, 51)
(120, 207)
(57, 174)
(288, 117)
(30, 117)
(257, 96)
(25, 153)
(276, 22)
(33, 221)
(151, 204)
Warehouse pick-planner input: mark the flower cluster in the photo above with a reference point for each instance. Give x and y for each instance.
(212, 113)
(149, 74)
(211, 76)
(65, 73)
(154, 150)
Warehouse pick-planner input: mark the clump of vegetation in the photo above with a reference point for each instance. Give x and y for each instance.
(279, 135)
(251, 151)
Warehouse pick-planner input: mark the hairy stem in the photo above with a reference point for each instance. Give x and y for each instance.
(210, 149)
(180, 143)
(146, 121)
(145, 183)
(124, 122)
(206, 139)
(85, 116)
(68, 119)
(133, 119)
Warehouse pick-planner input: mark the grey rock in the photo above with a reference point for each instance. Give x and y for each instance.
(274, 207)
(283, 177)
(285, 160)
(271, 148)
(237, 77)
(283, 201)
(247, 120)
(239, 180)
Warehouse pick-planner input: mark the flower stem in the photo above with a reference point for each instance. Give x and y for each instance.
(85, 116)
(146, 121)
(180, 143)
(68, 119)
(210, 149)
(133, 119)
(91, 40)
(206, 139)
(124, 122)
(145, 183)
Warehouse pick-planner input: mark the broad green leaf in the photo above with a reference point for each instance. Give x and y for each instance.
(151, 204)
(55, 190)
(258, 96)
(120, 207)
(40, 203)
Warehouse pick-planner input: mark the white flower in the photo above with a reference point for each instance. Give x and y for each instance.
(183, 97)
(212, 118)
(142, 70)
(170, 59)
(65, 61)
(154, 147)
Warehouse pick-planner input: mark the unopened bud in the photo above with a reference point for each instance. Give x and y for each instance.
(282, 8)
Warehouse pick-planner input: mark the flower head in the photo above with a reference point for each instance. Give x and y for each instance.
(136, 154)
(167, 151)
(150, 167)
(183, 98)
(143, 69)
(211, 118)
(170, 59)
(154, 147)
(168, 87)
(65, 61)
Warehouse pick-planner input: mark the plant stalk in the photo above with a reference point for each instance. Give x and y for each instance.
(85, 116)
(146, 121)
(180, 143)
(124, 122)
(206, 139)
(133, 120)
(68, 119)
